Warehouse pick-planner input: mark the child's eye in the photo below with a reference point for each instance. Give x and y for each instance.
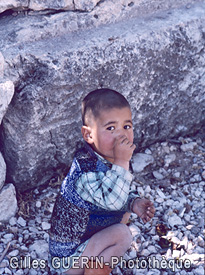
(111, 128)
(127, 127)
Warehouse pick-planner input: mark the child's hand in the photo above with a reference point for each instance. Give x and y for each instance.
(144, 209)
(123, 150)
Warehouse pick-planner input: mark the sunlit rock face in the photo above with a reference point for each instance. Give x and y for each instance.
(153, 55)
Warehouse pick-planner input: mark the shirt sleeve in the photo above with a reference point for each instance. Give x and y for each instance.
(108, 190)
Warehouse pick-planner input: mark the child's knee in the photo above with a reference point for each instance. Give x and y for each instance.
(124, 234)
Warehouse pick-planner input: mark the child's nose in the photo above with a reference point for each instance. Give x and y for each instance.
(121, 133)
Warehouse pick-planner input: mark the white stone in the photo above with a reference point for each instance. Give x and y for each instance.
(19, 272)
(174, 220)
(161, 194)
(159, 200)
(169, 202)
(20, 239)
(166, 149)
(38, 219)
(177, 174)
(199, 270)
(12, 221)
(33, 229)
(155, 238)
(181, 212)
(24, 248)
(46, 225)
(14, 253)
(9, 236)
(6, 94)
(169, 159)
(196, 178)
(7, 271)
(140, 191)
(140, 161)
(187, 217)
(41, 248)
(188, 147)
(157, 175)
(135, 230)
(152, 249)
(184, 242)
(147, 189)
(190, 226)
(176, 253)
(2, 170)
(155, 272)
(148, 151)
(46, 237)
(8, 202)
(145, 252)
(197, 193)
(200, 241)
(173, 148)
(21, 221)
(38, 204)
(33, 272)
(2, 62)
(133, 253)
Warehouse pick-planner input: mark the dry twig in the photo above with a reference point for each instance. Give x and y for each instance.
(4, 252)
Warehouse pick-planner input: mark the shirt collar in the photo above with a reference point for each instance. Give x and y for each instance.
(95, 154)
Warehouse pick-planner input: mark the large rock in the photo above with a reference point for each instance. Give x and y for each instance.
(157, 63)
(8, 202)
(51, 4)
(13, 4)
(6, 94)
(2, 171)
(139, 6)
(1, 65)
(36, 5)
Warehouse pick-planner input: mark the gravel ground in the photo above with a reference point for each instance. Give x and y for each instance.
(171, 174)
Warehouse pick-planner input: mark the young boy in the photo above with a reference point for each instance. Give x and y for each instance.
(90, 214)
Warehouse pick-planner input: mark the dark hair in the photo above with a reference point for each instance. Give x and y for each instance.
(102, 99)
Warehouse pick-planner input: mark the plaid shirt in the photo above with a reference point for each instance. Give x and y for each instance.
(110, 190)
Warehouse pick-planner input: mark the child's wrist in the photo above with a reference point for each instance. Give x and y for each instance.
(122, 163)
(133, 203)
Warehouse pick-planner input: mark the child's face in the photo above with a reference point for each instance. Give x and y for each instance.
(107, 127)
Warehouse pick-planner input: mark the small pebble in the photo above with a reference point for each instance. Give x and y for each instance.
(157, 175)
(21, 222)
(7, 271)
(46, 225)
(14, 253)
(188, 147)
(12, 221)
(38, 204)
(8, 236)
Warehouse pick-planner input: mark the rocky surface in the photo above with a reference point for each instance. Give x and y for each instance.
(8, 202)
(114, 10)
(2, 171)
(7, 195)
(55, 59)
(174, 181)
(6, 92)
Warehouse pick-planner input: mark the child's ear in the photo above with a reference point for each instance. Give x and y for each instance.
(86, 132)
